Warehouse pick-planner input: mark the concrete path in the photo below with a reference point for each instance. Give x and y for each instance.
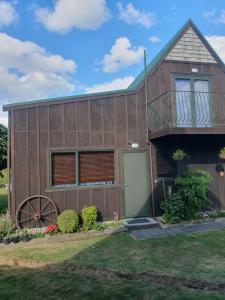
(143, 234)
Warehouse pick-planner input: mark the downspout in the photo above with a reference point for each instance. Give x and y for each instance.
(148, 143)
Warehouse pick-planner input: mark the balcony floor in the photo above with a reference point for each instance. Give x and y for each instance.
(187, 130)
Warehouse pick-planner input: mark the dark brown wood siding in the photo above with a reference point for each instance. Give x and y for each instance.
(104, 123)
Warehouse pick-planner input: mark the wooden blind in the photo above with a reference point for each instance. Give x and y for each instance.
(63, 168)
(95, 167)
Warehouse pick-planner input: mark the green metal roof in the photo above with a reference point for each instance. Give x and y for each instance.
(139, 79)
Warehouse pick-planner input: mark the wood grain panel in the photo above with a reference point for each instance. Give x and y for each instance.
(109, 139)
(96, 115)
(72, 200)
(33, 162)
(131, 113)
(83, 116)
(111, 203)
(43, 161)
(85, 198)
(70, 112)
(21, 167)
(21, 120)
(96, 139)
(43, 118)
(56, 139)
(108, 114)
(32, 119)
(56, 117)
(83, 139)
(99, 202)
(71, 139)
(120, 113)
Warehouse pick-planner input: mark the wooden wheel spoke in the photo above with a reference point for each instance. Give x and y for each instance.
(25, 220)
(25, 212)
(46, 205)
(48, 213)
(31, 206)
(33, 222)
(48, 219)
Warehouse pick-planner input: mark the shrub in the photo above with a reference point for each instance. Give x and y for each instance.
(68, 221)
(5, 224)
(188, 198)
(89, 217)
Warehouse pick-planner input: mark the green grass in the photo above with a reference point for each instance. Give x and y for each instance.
(3, 200)
(195, 257)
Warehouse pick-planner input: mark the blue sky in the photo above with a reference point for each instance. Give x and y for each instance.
(65, 47)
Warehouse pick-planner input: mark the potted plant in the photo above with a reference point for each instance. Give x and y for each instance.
(179, 155)
(222, 153)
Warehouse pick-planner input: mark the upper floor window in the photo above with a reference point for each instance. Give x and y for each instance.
(193, 102)
(82, 168)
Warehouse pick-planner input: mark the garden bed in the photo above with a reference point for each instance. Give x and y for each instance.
(188, 223)
(75, 236)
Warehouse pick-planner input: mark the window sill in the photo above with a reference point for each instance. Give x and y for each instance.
(75, 188)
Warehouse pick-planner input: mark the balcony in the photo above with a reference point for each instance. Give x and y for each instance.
(186, 112)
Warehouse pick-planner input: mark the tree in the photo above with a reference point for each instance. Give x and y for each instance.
(3, 147)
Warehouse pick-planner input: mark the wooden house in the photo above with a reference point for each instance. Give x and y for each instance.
(114, 149)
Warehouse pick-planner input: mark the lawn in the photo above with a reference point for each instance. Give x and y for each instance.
(117, 267)
(3, 200)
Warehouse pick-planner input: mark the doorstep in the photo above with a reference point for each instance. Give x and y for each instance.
(140, 223)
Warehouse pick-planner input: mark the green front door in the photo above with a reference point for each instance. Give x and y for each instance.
(136, 185)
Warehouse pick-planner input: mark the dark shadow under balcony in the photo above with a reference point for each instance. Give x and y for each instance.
(186, 112)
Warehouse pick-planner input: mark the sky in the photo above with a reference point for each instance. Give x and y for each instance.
(54, 48)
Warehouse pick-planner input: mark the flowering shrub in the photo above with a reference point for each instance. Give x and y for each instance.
(52, 229)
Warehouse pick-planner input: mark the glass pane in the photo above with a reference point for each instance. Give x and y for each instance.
(202, 103)
(183, 103)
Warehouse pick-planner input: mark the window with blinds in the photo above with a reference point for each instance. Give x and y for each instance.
(63, 169)
(96, 168)
(92, 167)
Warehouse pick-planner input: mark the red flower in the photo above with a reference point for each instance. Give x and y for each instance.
(51, 229)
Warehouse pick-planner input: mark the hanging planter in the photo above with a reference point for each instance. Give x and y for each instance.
(222, 153)
(179, 155)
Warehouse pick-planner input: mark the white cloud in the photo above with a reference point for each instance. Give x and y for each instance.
(208, 14)
(218, 44)
(116, 84)
(69, 14)
(154, 39)
(28, 71)
(221, 18)
(122, 55)
(131, 15)
(8, 15)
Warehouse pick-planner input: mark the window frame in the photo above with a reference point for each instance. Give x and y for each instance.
(77, 185)
(192, 77)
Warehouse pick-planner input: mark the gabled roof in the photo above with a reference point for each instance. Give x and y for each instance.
(140, 78)
(166, 49)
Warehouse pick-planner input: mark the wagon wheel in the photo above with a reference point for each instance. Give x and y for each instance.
(36, 211)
